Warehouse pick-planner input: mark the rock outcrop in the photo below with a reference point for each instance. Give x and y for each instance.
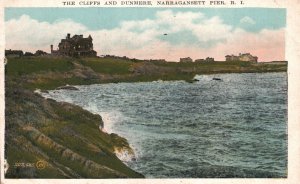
(61, 137)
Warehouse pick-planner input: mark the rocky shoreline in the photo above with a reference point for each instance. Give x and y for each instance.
(66, 137)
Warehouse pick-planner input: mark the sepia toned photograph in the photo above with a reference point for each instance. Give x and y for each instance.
(153, 93)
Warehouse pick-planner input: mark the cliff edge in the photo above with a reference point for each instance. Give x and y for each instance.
(49, 139)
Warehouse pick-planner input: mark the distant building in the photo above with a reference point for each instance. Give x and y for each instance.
(242, 57)
(75, 46)
(231, 58)
(186, 60)
(13, 53)
(208, 59)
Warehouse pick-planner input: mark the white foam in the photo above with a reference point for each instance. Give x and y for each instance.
(60, 97)
(203, 77)
(38, 91)
(92, 107)
(110, 120)
(125, 154)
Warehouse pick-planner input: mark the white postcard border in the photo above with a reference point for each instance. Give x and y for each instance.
(292, 55)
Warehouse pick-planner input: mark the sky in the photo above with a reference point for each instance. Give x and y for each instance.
(153, 33)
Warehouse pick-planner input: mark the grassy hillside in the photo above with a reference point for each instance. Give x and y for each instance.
(49, 73)
(66, 138)
(28, 65)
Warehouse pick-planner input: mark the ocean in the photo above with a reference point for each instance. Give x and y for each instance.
(227, 128)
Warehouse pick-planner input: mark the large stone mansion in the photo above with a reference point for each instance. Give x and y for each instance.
(75, 46)
(242, 57)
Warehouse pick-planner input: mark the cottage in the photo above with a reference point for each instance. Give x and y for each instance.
(231, 58)
(75, 46)
(186, 60)
(248, 57)
(208, 59)
(242, 57)
(13, 53)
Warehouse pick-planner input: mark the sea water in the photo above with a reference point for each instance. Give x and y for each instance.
(233, 127)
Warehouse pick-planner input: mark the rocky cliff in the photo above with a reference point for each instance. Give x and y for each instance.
(47, 139)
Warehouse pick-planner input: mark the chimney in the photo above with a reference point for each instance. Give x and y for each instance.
(51, 46)
(68, 36)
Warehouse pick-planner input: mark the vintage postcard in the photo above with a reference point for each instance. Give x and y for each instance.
(150, 91)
